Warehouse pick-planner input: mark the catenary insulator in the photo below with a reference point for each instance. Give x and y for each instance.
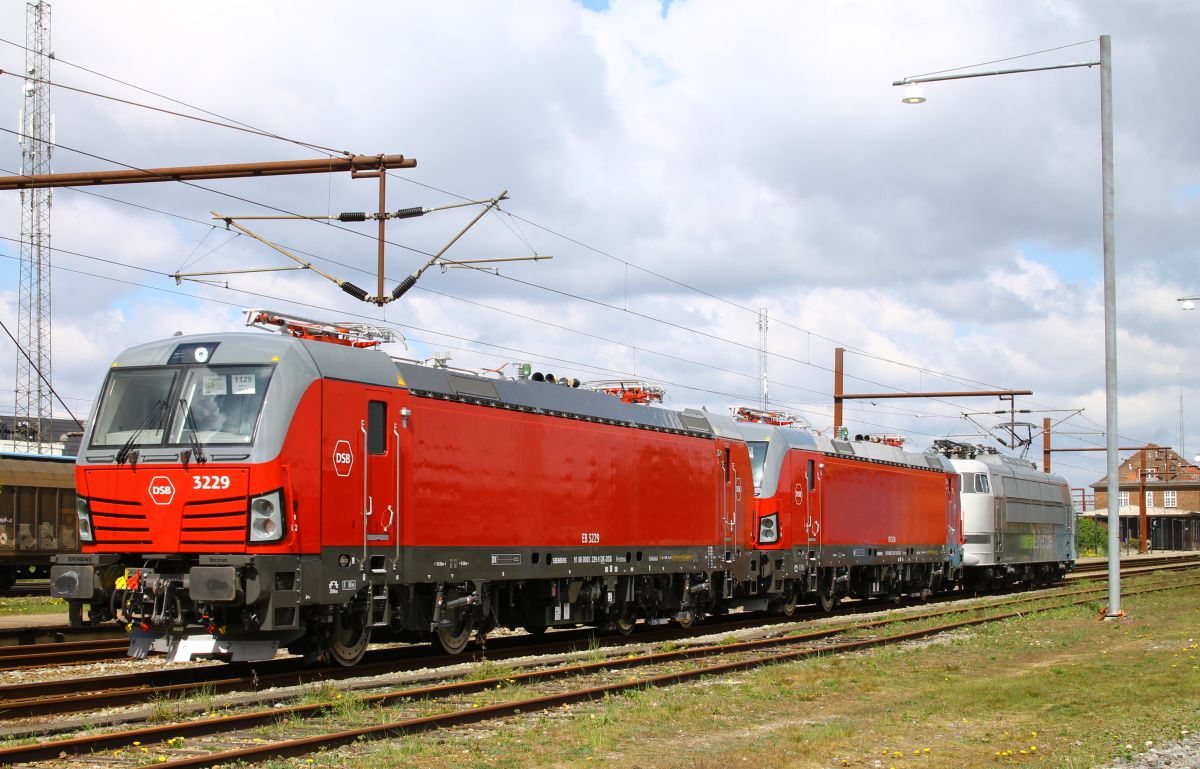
(353, 290)
(408, 213)
(403, 286)
(353, 216)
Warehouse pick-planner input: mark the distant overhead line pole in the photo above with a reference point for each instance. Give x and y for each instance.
(839, 396)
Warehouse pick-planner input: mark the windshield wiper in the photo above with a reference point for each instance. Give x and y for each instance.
(197, 447)
(125, 451)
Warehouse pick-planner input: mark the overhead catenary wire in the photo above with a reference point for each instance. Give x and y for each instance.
(565, 294)
(611, 371)
(581, 365)
(1007, 58)
(241, 126)
(41, 376)
(230, 123)
(231, 126)
(453, 297)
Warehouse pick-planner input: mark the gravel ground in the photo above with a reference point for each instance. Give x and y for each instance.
(1177, 755)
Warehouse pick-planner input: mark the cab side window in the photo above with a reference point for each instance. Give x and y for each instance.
(376, 422)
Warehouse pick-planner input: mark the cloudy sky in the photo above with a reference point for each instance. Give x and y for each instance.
(686, 163)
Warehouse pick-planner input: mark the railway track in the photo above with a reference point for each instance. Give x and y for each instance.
(56, 634)
(62, 653)
(1138, 563)
(236, 736)
(27, 648)
(89, 693)
(75, 695)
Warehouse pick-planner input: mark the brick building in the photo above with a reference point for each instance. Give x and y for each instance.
(1172, 488)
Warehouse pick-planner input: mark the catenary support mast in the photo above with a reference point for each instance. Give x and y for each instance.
(33, 407)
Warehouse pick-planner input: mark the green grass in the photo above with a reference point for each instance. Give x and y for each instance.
(1056, 685)
(32, 605)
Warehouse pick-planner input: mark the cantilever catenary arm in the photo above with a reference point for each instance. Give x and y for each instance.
(403, 286)
(345, 285)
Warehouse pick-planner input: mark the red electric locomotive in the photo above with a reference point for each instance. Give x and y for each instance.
(241, 492)
(238, 493)
(853, 518)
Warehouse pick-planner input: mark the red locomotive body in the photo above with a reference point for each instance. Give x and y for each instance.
(859, 518)
(262, 491)
(243, 492)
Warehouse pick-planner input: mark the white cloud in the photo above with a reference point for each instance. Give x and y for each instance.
(756, 152)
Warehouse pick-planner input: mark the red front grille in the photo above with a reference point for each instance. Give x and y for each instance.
(167, 509)
(117, 522)
(213, 522)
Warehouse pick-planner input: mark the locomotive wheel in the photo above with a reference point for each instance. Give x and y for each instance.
(454, 638)
(687, 621)
(825, 595)
(536, 630)
(787, 607)
(625, 623)
(350, 640)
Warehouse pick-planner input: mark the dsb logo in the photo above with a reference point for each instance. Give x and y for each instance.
(162, 491)
(343, 458)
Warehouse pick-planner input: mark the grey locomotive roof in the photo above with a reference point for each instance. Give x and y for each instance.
(375, 367)
(527, 394)
(796, 438)
(999, 464)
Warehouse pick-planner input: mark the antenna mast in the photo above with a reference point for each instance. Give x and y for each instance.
(762, 353)
(33, 406)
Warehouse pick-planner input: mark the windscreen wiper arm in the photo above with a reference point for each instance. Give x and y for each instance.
(123, 454)
(197, 447)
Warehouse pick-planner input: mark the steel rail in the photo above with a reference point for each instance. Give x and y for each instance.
(65, 653)
(232, 722)
(307, 745)
(78, 695)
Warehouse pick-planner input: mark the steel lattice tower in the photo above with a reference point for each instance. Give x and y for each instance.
(33, 405)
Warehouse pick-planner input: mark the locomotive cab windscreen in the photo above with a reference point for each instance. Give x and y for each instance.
(176, 406)
(758, 460)
(975, 483)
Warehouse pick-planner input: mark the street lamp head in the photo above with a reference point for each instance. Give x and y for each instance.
(1188, 304)
(913, 94)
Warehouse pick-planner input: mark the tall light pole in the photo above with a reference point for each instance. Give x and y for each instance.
(914, 95)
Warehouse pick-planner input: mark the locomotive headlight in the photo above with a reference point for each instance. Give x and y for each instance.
(768, 529)
(84, 514)
(266, 517)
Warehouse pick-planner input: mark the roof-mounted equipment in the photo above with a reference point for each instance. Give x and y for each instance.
(761, 417)
(629, 391)
(350, 334)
